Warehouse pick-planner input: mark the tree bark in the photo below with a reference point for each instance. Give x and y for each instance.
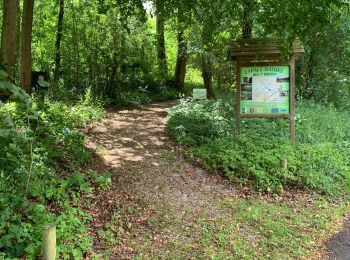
(58, 42)
(162, 62)
(247, 28)
(76, 47)
(181, 59)
(306, 93)
(9, 35)
(207, 37)
(207, 77)
(18, 40)
(26, 53)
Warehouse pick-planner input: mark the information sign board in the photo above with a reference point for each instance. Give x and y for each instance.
(265, 90)
(199, 94)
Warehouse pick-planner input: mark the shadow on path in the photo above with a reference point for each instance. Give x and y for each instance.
(339, 244)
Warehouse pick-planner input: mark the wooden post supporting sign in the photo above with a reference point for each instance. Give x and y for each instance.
(238, 98)
(292, 99)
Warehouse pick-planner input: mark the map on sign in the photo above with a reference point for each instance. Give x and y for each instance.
(265, 90)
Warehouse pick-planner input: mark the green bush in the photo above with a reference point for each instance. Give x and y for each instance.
(318, 161)
(198, 123)
(317, 123)
(37, 140)
(143, 96)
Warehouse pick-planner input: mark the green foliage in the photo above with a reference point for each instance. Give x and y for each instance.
(78, 183)
(116, 227)
(104, 182)
(37, 141)
(98, 54)
(115, 58)
(197, 123)
(319, 161)
(85, 111)
(143, 96)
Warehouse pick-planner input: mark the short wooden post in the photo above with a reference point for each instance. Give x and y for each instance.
(49, 243)
(284, 164)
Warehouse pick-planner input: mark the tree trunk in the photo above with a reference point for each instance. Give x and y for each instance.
(181, 60)
(207, 37)
(18, 40)
(9, 35)
(306, 93)
(26, 53)
(207, 77)
(76, 47)
(58, 42)
(162, 63)
(247, 28)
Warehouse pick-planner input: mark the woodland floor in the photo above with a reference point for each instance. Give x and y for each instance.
(158, 197)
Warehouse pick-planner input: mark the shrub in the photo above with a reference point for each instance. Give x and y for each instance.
(197, 123)
(143, 96)
(37, 140)
(319, 161)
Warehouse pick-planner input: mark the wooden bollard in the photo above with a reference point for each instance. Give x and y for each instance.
(49, 243)
(284, 164)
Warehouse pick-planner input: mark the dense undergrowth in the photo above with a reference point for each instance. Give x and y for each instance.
(133, 97)
(143, 96)
(318, 161)
(41, 153)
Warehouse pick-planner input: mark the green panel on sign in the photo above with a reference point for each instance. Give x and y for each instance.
(265, 90)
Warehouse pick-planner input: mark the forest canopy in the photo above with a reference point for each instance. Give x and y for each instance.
(112, 46)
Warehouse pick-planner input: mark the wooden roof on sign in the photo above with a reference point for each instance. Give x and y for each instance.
(270, 48)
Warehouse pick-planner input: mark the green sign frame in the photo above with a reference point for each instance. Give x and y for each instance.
(265, 90)
(279, 76)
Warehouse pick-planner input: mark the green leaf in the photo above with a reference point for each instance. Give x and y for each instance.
(4, 132)
(3, 74)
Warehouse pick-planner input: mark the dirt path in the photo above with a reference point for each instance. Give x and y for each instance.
(173, 194)
(339, 244)
(157, 198)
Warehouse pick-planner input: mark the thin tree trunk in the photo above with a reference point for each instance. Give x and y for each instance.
(310, 74)
(58, 42)
(26, 44)
(18, 40)
(76, 49)
(207, 76)
(247, 28)
(207, 37)
(9, 35)
(181, 60)
(162, 62)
